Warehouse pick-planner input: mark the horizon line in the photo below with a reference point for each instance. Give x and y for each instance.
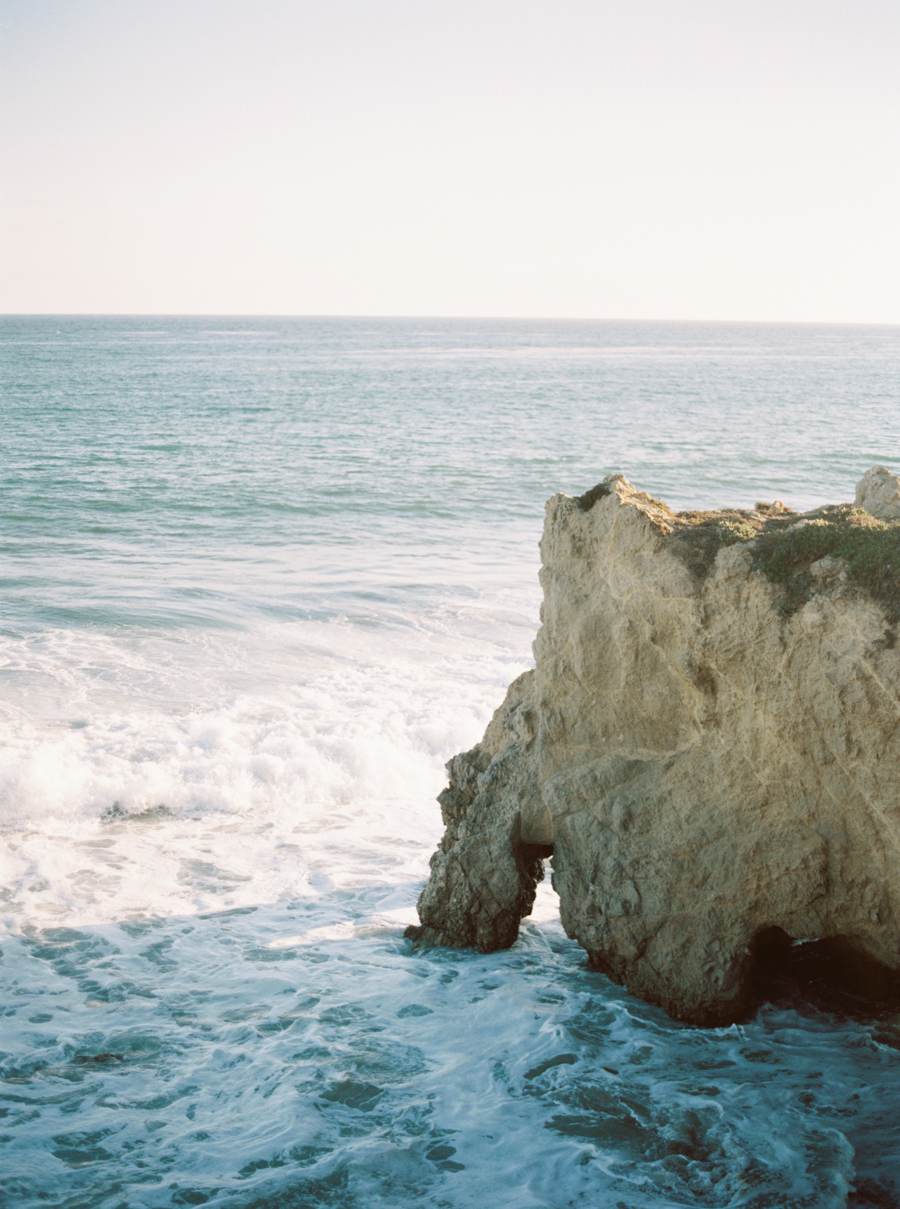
(437, 318)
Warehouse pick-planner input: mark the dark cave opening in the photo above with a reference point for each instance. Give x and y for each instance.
(831, 974)
(535, 852)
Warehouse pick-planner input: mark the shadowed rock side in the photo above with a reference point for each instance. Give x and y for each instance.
(709, 745)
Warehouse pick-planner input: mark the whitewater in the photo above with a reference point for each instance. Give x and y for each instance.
(261, 578)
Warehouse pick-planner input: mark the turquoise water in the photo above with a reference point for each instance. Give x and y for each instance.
(261, 578)
(285, 446)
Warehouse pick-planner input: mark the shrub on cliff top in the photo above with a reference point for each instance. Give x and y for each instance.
(869, 548)
(865, 545)
(732, 532)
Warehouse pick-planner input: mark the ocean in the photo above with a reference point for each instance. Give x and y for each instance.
(261, 578)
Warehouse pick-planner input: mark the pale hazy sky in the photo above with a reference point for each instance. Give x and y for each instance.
(602, 158)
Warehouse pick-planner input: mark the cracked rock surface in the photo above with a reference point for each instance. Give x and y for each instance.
(704, 763)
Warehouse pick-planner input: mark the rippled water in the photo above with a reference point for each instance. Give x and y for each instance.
(261, 578)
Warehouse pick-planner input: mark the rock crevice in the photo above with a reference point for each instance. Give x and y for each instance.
(707, 744)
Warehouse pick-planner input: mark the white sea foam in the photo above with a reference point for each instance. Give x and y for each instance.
(345, 764)
(203, 915)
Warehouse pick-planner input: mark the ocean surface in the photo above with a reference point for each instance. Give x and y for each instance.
(261, 578)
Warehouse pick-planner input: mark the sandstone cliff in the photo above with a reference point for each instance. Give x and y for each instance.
(709, 746)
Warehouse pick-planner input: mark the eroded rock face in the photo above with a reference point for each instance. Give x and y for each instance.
(705, 762)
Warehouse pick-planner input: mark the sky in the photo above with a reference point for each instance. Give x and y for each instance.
(644, 159)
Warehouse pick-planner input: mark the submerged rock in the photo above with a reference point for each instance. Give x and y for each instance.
(708, 745)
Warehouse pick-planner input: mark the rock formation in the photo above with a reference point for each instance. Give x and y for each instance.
(708, 745)
(878, 492)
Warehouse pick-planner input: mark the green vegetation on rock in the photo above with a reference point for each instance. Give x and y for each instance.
(869, 548)
(732, 532)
